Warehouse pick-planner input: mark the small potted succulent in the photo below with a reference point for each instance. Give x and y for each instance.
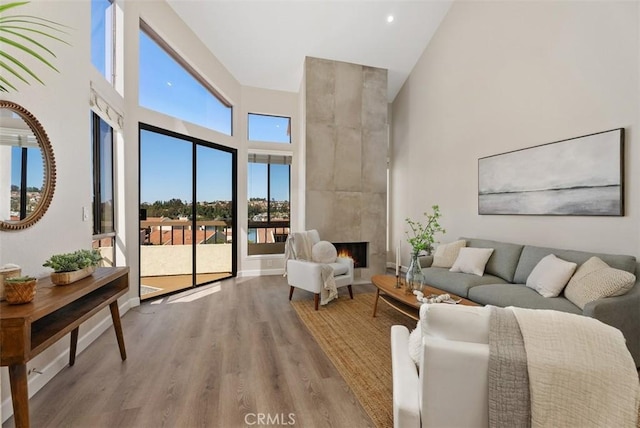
(71, 267)
(20, 289)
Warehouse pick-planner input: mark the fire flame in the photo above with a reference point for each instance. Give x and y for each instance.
(345, 253)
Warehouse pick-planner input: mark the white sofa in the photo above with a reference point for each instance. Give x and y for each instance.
(454, 359)
(482, 365)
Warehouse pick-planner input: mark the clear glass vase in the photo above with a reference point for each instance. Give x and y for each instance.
(415, 277)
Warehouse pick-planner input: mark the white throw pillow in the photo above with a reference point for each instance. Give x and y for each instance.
(595, 279)
(472, 260)
(324, 252)
(550, 275)
(446, 254)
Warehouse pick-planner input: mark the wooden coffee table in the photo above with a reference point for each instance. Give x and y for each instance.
(402, 301)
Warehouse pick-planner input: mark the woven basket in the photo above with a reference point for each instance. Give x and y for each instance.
(21, 292)
(6, 273)
(64, 278)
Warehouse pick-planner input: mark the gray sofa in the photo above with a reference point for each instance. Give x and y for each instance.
(506, 272)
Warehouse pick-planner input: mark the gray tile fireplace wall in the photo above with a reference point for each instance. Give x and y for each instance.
(346, 155)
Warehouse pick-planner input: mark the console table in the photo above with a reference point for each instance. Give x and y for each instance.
(28, 329)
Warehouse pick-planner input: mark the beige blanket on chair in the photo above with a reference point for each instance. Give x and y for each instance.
(298, 247)
(580, 371)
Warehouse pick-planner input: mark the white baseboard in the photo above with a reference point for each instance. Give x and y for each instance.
(260, 272)
(37, 380)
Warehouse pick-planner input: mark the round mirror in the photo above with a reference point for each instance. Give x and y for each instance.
(27, 168)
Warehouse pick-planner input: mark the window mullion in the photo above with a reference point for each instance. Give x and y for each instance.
(97, 193)
(269, 193)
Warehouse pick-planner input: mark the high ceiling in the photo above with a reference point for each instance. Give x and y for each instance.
(263, 43)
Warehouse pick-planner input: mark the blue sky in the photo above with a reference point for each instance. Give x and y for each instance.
(167, 168)
(166, 162)
(35, 169)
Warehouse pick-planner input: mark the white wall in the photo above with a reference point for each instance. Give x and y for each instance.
(62, 106)
(501, 76)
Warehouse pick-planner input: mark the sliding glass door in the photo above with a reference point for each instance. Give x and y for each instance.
(187, 212)
(214, 213)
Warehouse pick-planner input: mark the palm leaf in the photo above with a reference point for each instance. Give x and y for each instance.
(17, 31)
(5, 82)
(36, 21)
(26, 49)
(19, 64)
(4, 7)
(4, 27)
(29, 39)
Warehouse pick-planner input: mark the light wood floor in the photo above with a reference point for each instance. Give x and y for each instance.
(171, 283)
(211, 362)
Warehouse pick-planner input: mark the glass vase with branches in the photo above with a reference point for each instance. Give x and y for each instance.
(422, 236)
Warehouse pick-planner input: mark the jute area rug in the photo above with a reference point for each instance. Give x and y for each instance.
(359, 346)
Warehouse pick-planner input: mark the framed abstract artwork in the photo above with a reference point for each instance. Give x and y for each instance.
(582, 176)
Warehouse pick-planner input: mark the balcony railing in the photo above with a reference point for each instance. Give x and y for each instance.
(267, 237)
(178, 232)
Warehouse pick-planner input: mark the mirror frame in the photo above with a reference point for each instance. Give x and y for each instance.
(49, 184)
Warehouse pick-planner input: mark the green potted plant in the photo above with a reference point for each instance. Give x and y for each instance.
(20, 289)
(421, 239)
(70, 267)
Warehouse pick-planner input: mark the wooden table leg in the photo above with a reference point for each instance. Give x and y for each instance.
(117, 326)
(19, 395)
(73, 346)
(375, 303)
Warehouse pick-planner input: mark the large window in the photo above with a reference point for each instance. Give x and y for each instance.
(103, 37)
(168, 84)
(269, 203)
(103, 206)
(188, 211)
(272, 129)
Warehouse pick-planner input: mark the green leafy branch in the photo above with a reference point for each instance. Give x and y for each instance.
(19, 279)
(18, 31)
(422, 238)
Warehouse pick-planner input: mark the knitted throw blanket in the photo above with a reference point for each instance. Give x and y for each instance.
(509, 402)
(580, 373)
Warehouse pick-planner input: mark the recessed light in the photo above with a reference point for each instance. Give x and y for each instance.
(390, 19)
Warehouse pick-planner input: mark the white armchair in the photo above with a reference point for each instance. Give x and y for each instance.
(307, 275)
(454, 359)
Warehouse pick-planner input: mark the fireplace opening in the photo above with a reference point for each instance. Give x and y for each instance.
(356, 250)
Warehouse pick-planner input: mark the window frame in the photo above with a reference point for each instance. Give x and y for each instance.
(153, 35)
(96, 146)
(269, 224)
(110, 42)
(268, 115)
(96, 156)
